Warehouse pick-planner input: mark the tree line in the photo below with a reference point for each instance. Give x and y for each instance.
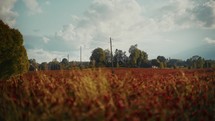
(56, 65)
(137, 59)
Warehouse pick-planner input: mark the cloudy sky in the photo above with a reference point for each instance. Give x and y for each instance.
(56, 28)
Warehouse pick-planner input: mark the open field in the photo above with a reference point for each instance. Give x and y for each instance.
(97, 95)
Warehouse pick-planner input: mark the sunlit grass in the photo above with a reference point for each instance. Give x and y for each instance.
(99, 95)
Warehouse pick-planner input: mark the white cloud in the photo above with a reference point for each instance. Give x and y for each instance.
(6, 12)
(204, 13)
(123, 20)
(190, 13)
(120, 19)
(33, 6)
(42, 55)
(45, 39)
(47, 2)
(209, 41)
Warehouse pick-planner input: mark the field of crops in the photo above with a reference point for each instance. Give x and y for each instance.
(98, 95)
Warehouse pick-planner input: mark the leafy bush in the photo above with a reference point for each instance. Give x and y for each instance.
(13, 56)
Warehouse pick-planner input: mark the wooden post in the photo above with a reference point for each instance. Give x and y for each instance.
(111, 52)
(80, 56)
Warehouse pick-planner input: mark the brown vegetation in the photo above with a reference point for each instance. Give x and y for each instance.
(129, 94)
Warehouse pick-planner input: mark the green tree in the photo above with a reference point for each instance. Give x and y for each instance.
(107, 58)
(134, 55)
(137, 57)
(43, 66)
(176, 63)
(98, 56)
(163, 61)
(200, 62)
(209, 64)
(196, 62)
(155, 62)
(54, 65)
(143, 59)
(65, 64)
(120, 58)
(13, 56)
(33, 65)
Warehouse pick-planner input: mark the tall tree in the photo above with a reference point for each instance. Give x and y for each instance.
(137, 57)
(98, 56)
(175, 63)
(65, 64)
(43, 66)
(155, 62)
(120, 58)
(143, 59)
(13, 56)
(163, 61)
(209, 64)
(54, 65)
(196, 62)
(134, 55)
(33, 65)
(107, 57)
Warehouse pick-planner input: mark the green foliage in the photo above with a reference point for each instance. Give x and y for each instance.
(54, 65)
(43, 66)
(155, 62)
(134, 54)
(143, 58)
(163, 61)
(120, 58)
(33, 65)
(65, 64)
(196, 62)
(137, 57)
(13, 56)
(107, 58)
(176, 63)
(209, 64)
(65, 61)
(98, 56)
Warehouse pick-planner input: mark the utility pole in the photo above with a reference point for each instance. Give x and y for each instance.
(80, 55)
(111, 52)
(68, 57)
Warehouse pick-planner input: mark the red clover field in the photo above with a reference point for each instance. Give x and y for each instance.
(98, 95)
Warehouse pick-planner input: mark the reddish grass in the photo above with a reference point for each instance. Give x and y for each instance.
(129, 94)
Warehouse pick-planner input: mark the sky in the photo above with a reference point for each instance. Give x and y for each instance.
(58, 28)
